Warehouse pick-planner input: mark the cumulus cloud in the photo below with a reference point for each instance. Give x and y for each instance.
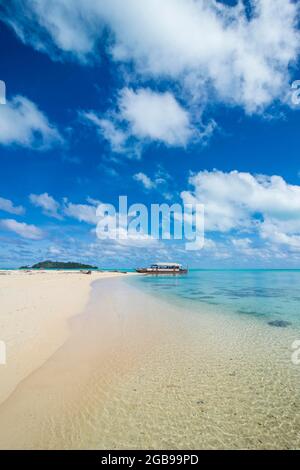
(21, 228)
(281, 232)
(49, 205)
(81, 212)
(57, 27)
(241, 243)
(7, 205)
(144, 116)
(121, 237)
(233, 54)
(22, 123)
(155, 116)
(115, 235)
(237, 201)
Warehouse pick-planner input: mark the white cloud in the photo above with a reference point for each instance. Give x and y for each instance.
(92, 201)
(108, 130)
(261, 204)
(155, 116)
(160, 182)
(241, 243)
(82, 212)
(8, 206)
(206, 47)
(282, 233)
(22, 123)
(121, 237)
(200, 43)
(57, 27)
(144, 116)
(145, 180)
(47, 203)
(21, 228)
(55, 250)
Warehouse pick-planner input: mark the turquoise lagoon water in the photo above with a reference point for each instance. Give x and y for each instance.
(267, 295)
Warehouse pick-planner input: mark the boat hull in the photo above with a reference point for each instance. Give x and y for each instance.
(161, 271)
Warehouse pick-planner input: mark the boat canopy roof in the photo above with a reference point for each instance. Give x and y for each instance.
(176, 265)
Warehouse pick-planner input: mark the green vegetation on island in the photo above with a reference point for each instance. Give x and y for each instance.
(59, 265)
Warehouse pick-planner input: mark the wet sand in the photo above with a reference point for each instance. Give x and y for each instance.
(139, 372)
(35, 309)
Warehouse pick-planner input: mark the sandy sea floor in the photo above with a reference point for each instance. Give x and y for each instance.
(140, 372)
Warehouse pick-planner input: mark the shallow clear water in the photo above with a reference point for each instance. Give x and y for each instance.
(141, 373)
(267, 295)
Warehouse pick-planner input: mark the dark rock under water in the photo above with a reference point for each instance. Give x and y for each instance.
(279, 323)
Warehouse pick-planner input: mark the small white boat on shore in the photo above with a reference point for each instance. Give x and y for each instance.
(163, 268)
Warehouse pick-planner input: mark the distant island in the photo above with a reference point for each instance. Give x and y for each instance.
(59, 265)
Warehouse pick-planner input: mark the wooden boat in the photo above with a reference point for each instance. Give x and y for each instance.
(163, 268)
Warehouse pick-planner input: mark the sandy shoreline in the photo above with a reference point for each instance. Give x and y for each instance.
(139, 373)
(107, 341)
(35, 309)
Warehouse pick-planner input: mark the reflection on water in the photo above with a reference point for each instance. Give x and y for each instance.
(269, 295)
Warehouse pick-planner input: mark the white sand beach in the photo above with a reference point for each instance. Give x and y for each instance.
(35, 309)
(135, 372)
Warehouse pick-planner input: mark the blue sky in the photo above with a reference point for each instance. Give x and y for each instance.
(186, 101)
